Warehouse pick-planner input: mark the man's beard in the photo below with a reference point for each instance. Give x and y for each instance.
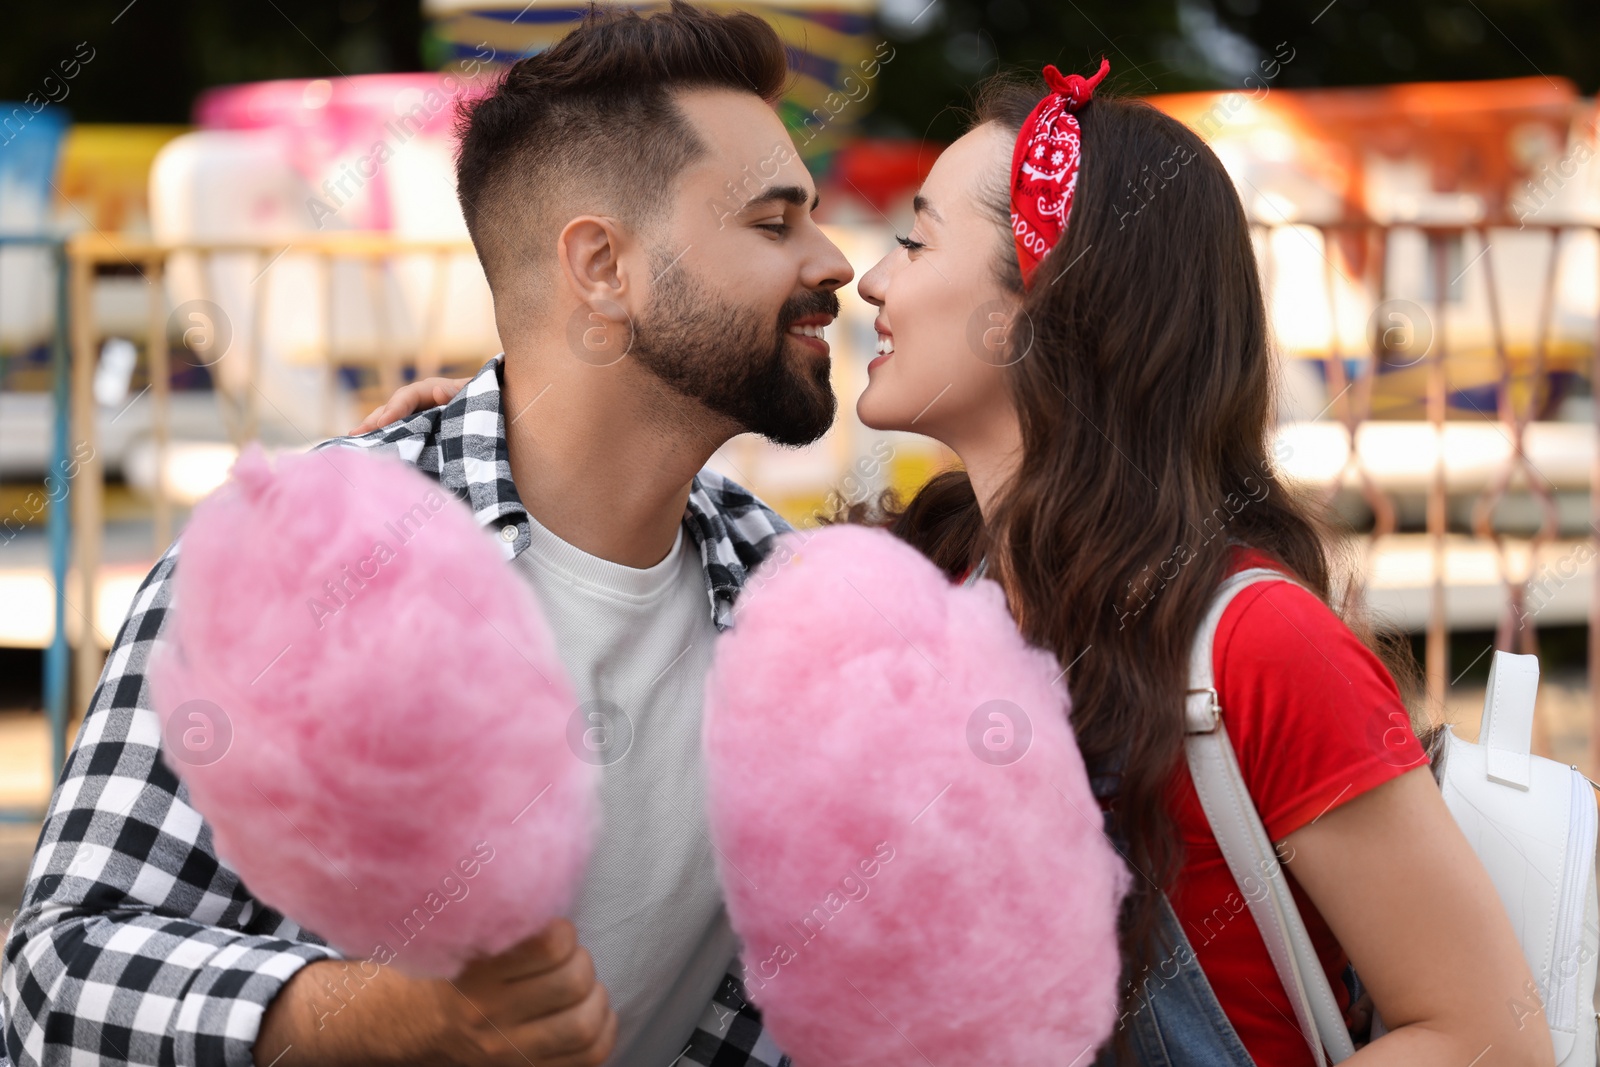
(731, 358)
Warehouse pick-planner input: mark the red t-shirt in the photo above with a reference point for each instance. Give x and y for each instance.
(1315, 720)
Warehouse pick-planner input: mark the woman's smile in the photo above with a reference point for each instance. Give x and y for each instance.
(885, 345)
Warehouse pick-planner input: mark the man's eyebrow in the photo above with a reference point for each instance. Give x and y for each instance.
(920, 204)
(788, 194)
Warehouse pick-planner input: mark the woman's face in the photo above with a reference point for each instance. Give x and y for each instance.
(944, 316)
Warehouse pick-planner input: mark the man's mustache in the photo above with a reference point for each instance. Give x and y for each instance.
(814, 302)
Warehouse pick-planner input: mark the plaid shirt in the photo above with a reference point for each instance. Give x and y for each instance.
(135, 943)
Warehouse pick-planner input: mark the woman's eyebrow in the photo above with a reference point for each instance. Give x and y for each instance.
(921, 205)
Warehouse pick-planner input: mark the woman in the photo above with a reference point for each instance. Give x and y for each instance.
(1077, 314)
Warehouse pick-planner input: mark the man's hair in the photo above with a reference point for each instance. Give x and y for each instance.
(594, 113)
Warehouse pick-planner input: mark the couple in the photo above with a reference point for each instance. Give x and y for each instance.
(1120, 422)
(1115, 468)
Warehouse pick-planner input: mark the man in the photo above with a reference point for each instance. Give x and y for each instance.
(659, 286)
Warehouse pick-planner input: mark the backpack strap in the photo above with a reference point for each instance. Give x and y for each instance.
(1507, 729)
(1244, 843)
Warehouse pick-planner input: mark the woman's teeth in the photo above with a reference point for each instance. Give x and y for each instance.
(885, 344)
(807, 331)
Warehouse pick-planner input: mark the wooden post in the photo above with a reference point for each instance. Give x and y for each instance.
(1438, 654)
(1594, 594)
(160, 395)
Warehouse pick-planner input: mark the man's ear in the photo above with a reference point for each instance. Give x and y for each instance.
(589, 251)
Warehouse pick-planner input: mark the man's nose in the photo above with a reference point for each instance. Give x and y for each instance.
(831, 269)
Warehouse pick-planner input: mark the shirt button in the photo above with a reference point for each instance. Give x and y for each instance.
(508, 533)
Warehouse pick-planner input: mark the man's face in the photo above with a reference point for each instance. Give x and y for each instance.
(743, 277)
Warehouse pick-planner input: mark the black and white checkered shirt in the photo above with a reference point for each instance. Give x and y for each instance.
(135, 943)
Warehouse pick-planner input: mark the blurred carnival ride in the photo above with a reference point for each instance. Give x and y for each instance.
(1429, 254)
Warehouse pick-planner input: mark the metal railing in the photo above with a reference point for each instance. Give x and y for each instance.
(1518, 387)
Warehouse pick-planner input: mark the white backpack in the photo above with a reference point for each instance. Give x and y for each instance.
(1532, 821)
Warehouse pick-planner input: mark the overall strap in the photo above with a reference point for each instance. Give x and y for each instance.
(1244, 843)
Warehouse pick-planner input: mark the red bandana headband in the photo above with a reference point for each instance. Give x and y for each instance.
(1044, 166)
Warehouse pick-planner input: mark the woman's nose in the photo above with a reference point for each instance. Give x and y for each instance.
(872, 283)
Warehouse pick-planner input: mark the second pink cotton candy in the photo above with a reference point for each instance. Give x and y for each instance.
(910, 849)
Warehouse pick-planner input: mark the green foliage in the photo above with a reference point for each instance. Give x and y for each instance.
(153, 57)
(1178, 45)
(158, 54)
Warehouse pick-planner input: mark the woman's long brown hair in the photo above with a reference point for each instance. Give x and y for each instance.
(1146, 408)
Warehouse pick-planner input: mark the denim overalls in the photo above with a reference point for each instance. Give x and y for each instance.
(1176, 1019)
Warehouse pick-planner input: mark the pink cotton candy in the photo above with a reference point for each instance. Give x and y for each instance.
(915, 879)
(367, 707)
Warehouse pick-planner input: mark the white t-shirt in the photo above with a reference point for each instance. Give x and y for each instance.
(637, 644)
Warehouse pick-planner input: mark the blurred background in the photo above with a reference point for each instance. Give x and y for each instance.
(223, 223)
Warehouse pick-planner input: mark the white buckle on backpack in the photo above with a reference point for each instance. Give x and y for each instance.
(1201, 716)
